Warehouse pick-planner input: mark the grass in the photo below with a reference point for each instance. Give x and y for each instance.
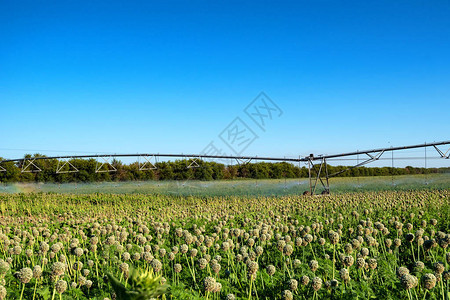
(239, 187)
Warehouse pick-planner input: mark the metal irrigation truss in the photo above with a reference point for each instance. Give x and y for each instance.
(317, 165)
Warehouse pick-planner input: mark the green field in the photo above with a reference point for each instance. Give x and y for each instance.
(370, 245)
(242, 187)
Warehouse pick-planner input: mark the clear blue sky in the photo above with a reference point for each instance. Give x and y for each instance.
(169, 76)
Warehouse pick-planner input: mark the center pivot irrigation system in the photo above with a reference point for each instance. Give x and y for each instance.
(317, 165)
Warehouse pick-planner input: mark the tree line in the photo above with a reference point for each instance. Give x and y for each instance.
(180, 170)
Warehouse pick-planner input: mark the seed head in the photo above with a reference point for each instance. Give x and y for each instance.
(304, 280)
(61, 286)
(281, 244)
(217, 287)
(420, 241)
(124, 267)
(252, 267)
(388, 243)
(126, 256)
(418, 266)
(408, 281)
(193, 252)
(44, 247)
(334, 237)
(184, 248)
(293, 284)
(136, 256)
(308, 238)
(348, 248)
(360, 263)
(78, 265)
(25, 275)
(209, 284)
(313, 265)
(402, 271)
(177, 268)
(372, 263)
(225, 246)
(78, 252)
(344, 274)
(17, 250)
(334, 283)
(270, 269)
(37, 271)
(356, 244)
(58, 268)
(29, 253)
(156, 265)
(316, 283)
(364, 252)
(147, 256)
(162, 252)
(348, 261)
(2, 292)
(438, 268)
(287, 295)
(409, 226)
(4, 268)
(409, 237)
(360, 239)
(288, 249)
(419, 233)
(202, 263)
(259, 250)
(429, 281)
(216, 267)
(446, 275)
(444, 241)
(88, 283)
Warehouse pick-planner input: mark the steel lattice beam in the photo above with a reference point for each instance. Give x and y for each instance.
(109, 166)
(194, 162)
(27, 163)
(65, 162)
(442, 154)
(147, 164)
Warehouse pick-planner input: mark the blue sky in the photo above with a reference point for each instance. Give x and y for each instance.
(169, 76)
